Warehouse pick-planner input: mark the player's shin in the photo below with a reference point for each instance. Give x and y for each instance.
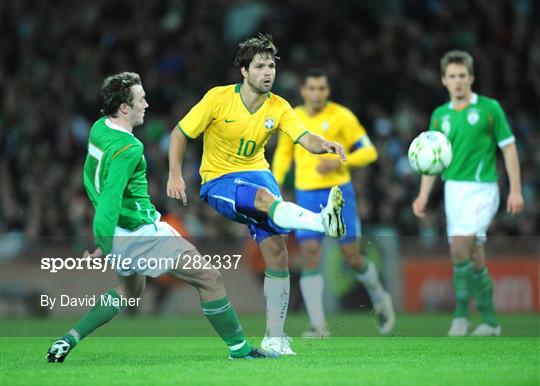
(483, 293)
(291, 216)
(462, 278)
(223, 318)
(107, 307)
(277, 287)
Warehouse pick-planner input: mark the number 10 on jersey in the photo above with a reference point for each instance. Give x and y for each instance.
(246, 148)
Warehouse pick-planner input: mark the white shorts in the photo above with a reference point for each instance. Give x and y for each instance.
(152, 249)
(470, 207)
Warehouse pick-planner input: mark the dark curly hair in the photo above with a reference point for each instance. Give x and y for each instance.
(261, 44)
(116, 89)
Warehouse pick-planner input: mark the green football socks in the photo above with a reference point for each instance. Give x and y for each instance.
(222, 316)
(483, 293)
(462, 287)
(101, 313)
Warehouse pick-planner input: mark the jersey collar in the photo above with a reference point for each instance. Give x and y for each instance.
(114, 126)
(237, 91)
(472, 101)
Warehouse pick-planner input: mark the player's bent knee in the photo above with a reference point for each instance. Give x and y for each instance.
(209, 280)
(131, 292)
(355, 260)
(132, 286)
(251, 200)
(264, 199)
(279, 261)
(459, 255)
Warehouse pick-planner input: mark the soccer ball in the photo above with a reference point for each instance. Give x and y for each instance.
(430, 153)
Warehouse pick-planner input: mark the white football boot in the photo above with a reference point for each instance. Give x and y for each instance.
(280, 345)
(316, 332)
(332, 219)
(486, 330)
(459, 327)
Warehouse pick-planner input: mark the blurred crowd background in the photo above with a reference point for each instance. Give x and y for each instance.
(382, 57)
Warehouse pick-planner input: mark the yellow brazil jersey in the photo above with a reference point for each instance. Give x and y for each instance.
(335, 123)
(234, 138)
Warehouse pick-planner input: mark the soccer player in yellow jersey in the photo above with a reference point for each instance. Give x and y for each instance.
(314, 176)
(237, 122)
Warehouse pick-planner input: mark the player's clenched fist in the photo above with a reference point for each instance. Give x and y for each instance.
(515, 204)
(176, 188)
(419, 206)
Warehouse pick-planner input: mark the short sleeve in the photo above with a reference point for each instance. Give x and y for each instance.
(501, 129)
(199, 117)
(290, 124)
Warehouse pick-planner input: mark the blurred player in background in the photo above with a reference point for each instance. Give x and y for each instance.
(115, 181)
(237, 122)
(314, 176)
(475, 125)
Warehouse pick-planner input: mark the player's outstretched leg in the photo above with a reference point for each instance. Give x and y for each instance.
(220, 312)
(329, 221)
(107, 307)
(381, 299)
(366, 273)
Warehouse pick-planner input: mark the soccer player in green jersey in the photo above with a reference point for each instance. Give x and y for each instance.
(126, 225)
(237, 122)
(475, 125)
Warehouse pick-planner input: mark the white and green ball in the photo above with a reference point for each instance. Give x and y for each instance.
(430, 153)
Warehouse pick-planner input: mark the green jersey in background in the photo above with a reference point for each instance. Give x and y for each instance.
(474, 132)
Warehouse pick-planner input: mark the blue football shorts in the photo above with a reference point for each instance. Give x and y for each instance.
(233, 196)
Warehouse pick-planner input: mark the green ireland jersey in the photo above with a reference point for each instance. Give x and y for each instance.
(474, 132)
(115, 181)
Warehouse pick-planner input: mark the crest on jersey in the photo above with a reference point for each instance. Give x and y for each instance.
(473, 116)
(445, 125)
(269, 123)
(325, 125)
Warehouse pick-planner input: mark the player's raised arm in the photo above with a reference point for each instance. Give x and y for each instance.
(514, 203)
(176, 187)
(318, 145)
(419, 204)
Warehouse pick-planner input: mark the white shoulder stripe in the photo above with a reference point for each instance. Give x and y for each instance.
(95, 151)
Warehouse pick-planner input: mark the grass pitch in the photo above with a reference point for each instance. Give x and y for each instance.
(415, 356)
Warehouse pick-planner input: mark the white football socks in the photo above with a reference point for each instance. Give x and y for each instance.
(276, 292)
(312, 287)
(291, 216)
(370, 280)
